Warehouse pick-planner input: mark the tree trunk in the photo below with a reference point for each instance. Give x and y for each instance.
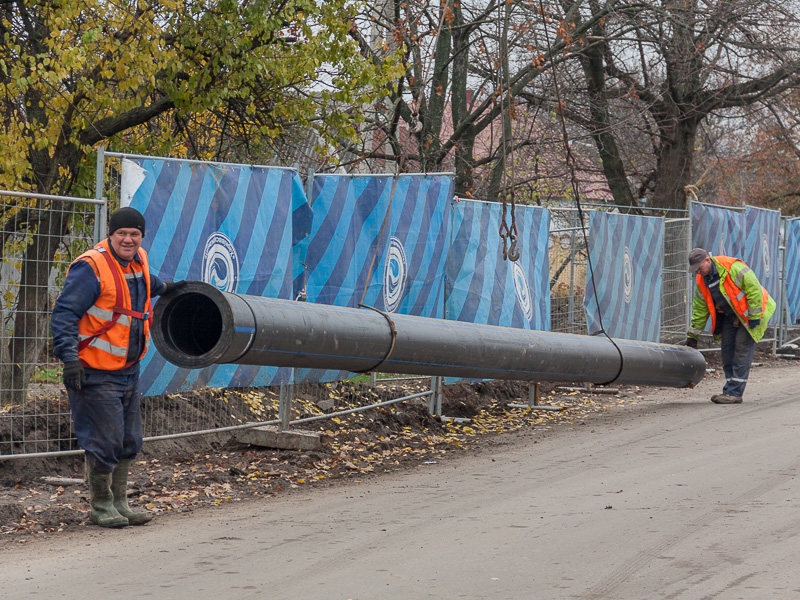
(613, 167)
(430, 140)
(459, 106)
(31, 317)
(677, 115)
(674, 167)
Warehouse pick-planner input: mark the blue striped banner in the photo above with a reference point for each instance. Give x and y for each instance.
(228, 225)
(387, 234)
(792, 275)
(719, 230)
(484, 288)
(626, 253)
(762, 247)
(383, 232)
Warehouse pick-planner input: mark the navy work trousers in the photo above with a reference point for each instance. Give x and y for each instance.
(107, 418)
(738, 348)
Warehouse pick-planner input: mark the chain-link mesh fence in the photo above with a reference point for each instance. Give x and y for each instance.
(41, 236)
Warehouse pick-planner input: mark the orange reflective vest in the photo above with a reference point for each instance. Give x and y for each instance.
(104, 330)
(733, 288)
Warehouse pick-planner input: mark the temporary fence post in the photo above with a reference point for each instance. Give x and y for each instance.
(101, 210)
(689, 279)
(781, 332)
(533, 400)
(439, 394)
(285, 405)
(309, 183)
(571, 307)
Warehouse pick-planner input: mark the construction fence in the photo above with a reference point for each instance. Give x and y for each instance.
(264, 231)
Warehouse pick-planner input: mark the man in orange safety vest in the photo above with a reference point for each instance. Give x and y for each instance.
(101, 330)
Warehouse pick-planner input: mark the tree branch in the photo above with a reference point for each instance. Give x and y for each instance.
(105, 128)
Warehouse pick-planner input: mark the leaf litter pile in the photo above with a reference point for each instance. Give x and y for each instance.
(47, 496)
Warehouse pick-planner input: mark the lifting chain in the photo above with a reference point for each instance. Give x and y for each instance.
(509, 233)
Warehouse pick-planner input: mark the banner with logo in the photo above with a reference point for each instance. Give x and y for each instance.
(385, 234)
(232, 226)
(623, 289)
(380, 241)
(484, 288)
(762, 247)
(792, 274)
(719, 230)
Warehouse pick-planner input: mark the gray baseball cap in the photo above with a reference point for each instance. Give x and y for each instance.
(696, 258)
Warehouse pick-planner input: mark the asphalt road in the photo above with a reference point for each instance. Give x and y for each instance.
(673, 497)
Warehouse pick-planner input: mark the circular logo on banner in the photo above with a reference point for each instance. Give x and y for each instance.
(522, 289)
(627, 274)
(220, 263)
(765, 255)
(394, 275)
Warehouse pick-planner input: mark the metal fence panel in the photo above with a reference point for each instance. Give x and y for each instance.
(228, 225)
(762, 247)
(567, 255)
(719, 229)
(675, 281)
(791, 272)
(624, 287)
(41, 236)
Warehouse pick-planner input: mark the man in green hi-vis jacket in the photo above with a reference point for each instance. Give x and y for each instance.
(729, 293)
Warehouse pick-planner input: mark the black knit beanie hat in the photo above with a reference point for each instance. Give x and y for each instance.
(126, 218)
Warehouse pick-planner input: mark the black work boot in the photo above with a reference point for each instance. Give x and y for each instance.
(103, 512)
(726, 399)
(119, 488)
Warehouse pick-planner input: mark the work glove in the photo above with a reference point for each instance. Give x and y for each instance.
(691, 342)
(74, 376)
(753, 323)
(171, 287)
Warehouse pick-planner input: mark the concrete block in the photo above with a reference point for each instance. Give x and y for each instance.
(270, 437)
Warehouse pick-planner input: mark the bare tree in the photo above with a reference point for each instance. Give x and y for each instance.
(459, 103)
(636, 78)
(655, 71)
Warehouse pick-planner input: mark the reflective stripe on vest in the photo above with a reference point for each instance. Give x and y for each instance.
(107, 315)
(101, 344)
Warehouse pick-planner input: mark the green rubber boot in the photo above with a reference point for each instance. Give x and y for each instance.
(103, 512)
(119, 488)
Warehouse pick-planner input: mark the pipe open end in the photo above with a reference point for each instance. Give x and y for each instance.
(189, 326)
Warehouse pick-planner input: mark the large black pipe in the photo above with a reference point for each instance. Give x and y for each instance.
(201, 326)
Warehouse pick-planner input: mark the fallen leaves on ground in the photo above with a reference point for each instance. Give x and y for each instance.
(368, 443)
